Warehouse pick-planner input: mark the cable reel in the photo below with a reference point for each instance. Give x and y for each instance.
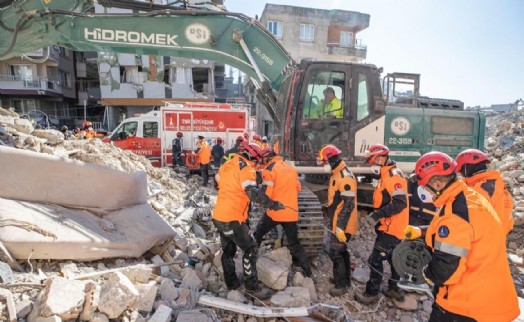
(409, 259)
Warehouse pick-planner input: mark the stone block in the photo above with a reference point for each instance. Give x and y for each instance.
(65, 298)
(146, 298)
(292, 297)
(162, 314)
(272, 274)
(117, 294)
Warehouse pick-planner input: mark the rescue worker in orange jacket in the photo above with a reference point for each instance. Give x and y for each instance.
(469, 265)
(342, 214)
(473, 166)
(391, 204)
(265, 145)
(204, 153)
(280, 182)
(257, 140)
(236, 184)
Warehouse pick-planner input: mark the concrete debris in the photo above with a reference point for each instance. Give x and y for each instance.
(182, 279)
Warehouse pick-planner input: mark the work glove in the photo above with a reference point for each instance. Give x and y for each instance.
(278, 243)
(341, 235)
(412, 232)
(376, 215)
(275, 205)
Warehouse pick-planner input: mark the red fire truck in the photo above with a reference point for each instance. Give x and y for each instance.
(151, 134)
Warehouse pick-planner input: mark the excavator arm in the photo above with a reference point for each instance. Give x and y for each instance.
(231, 38)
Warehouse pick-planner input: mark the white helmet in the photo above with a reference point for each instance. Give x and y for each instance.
(264, 138)
(201, 135)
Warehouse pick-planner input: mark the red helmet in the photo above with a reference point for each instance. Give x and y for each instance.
(246, 135)
(327, 151)
(434, 164)
(374, 151)
(256, 137)
(179, 134)
(219, 139)
(251, 151)
(240, 138)
(86, 124)
(267, 153)
(470, 156)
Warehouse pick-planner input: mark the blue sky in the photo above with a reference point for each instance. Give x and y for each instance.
(472, 50)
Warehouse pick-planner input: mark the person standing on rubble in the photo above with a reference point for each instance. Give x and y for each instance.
(469, 265)
(204, 153)
(473, 167)
(391, 204)
(237, 187)
(342, 213)
(176, 149)
(234, 150)
(217, 152)
(280, 182)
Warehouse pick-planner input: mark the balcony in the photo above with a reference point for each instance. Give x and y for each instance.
(11, 82)
(358, 51)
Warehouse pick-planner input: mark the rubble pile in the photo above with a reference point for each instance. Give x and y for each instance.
(182, 280)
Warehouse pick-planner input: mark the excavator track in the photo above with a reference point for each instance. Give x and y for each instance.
(310, 223)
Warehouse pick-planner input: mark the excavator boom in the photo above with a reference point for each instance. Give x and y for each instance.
(231, 38)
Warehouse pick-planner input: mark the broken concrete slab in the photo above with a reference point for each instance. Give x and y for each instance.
(116, 295)
(63, 298)
(146, 296)
(201, 315)
(292, 296)
(162, 314)
(272, 274)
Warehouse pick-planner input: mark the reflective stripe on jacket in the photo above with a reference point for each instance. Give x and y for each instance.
(391, 197)
(479, 285)
(204, 151)
(280, 182)
(491, 186)
(342, 184)
(232, 201)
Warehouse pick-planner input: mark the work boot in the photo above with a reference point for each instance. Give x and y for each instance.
(260, 293)
(338, 291)
(366, 298)
(394, 294)
(332, 281)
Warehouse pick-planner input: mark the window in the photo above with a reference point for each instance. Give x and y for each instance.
(22, 72)
(125, 131)
(346, 39)
(150, 129)
(276, 28)
(307, 32)
(325, 96)
(362, 99)
(65, 79)
(23, 106)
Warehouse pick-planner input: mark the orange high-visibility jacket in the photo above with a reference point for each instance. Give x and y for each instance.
(481, 286)
(491, 186)
(280, 182)
(392, 184)
(258, 142)
(342, 184)
(204, 151)
(232, 201)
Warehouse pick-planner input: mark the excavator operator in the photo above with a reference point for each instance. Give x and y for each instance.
(236, 184)
(342, 214)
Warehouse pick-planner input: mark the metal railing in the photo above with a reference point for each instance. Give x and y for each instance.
(38, 82)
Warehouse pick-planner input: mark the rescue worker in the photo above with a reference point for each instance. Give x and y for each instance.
(473, 166)
(87, 130)
(280, 183)
(204, 153)
(217, 153)
(246, 137)
(469, 265)
(236, 184)
(342, 214)
(391, 205)
(265, 145)
(234, 150)
(176, 148)
(257, 140)
(420, 213)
